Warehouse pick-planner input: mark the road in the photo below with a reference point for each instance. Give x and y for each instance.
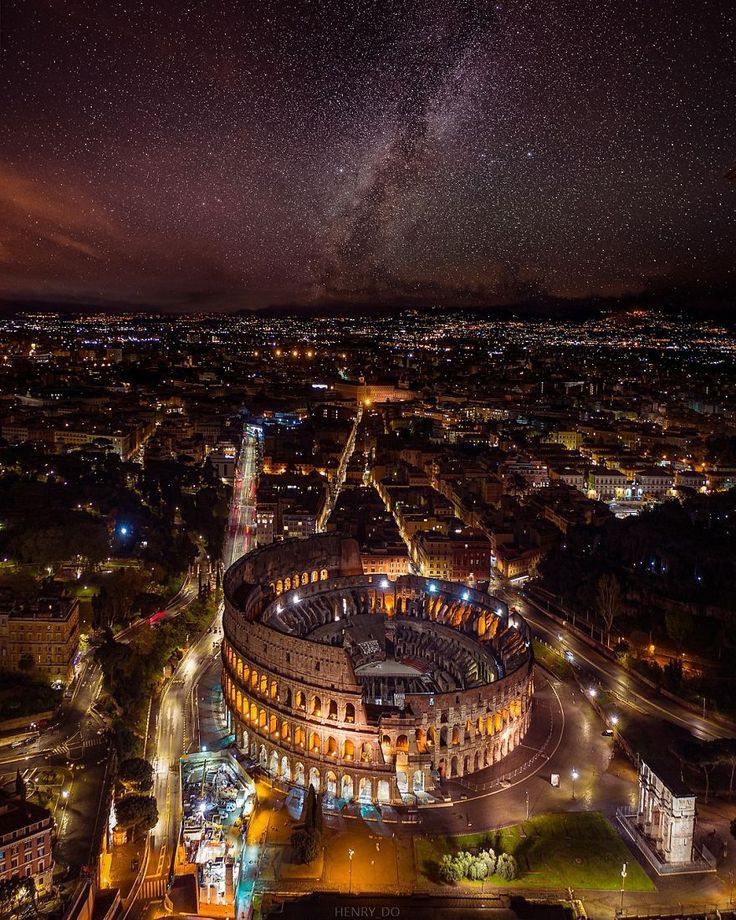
(78, 744)
(241, 527)
(611, 675)
(347, 453)
(177, 733)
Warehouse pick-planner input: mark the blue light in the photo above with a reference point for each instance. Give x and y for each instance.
(123, 530)
(432, 587)
(466, 595)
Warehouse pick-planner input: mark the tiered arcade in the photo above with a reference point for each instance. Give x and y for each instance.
(363, 687)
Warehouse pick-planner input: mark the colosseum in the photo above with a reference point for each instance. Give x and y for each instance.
(364, 687)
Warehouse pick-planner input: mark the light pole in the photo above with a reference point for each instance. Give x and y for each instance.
(623, 885)
(526, 795)
(574, 776)
(351, 853)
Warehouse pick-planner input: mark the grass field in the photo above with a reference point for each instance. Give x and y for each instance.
(551, 661)
(576, 849)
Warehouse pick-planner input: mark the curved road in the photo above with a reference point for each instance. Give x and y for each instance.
(611, 675)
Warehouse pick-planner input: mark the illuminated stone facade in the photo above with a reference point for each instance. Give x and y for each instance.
(364, 687)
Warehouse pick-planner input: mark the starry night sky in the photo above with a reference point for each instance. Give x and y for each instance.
(236, 154)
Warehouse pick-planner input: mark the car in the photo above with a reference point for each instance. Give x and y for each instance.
(607, 732)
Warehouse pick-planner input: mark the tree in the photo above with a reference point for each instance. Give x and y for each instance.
(506, 867)
(17, 898)
(449, 871)
(608, 602)
(727, 756)
(305, 844)
(136, 774)
(702, 754)
(312, 812)
(138, 812)
(679, 626)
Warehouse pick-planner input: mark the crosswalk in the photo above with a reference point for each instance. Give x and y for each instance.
(153, 888)
(66, 747)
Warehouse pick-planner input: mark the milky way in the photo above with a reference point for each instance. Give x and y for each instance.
(230, 154)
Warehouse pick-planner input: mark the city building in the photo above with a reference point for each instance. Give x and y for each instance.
(40, 634)
(25, 841)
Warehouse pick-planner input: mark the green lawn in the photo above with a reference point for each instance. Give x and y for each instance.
(551, 661)
(576, 849)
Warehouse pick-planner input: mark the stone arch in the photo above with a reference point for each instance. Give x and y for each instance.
(332, 709)
(253, 713)
(287, 697)
(349, 713)
(263, 686)
(262, 718)
(453, 766)
(273, 724)
(366, 752)
(365, 789)
(331, 746)
(432, 736)
(476, 762)
(383, 791)
(287, 584)
(418, 781)
(315, 743)
(299, 774)
(301, 700)
(263, 757)
(456, 734)
(466, 764)
(300, 736)
(348, 749)
(331, 783)
(274, 689)
(443, 736)
(324, 575)
(285, 769)
(285, 730)
(273, 765)
(305, 578)
(254, 679)
(279, 586)
(316, 707)
(314, 778)
(402, 743)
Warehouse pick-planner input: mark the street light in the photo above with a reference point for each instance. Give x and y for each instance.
(623, 884)
(574, 776)
(351, 853)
